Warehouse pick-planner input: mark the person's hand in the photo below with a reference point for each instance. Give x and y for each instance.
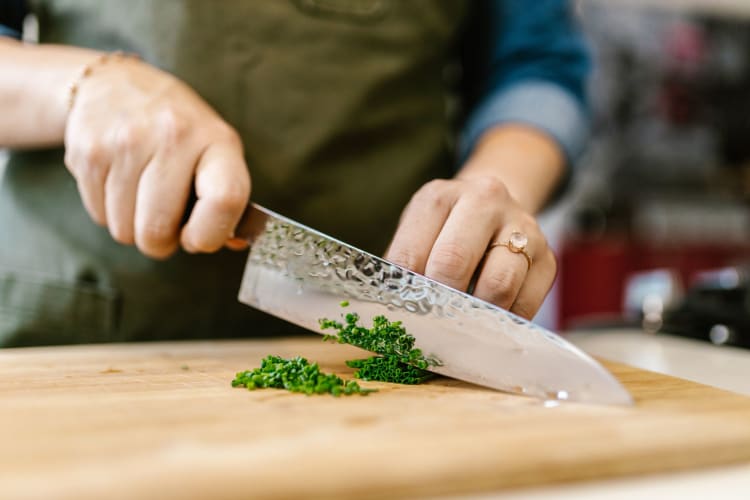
(449, 231)
(138, 141)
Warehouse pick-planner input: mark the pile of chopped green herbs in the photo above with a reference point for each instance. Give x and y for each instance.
(398, 361)
(296, 375)
(388, 369)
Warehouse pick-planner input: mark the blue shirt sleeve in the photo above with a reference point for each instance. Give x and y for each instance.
(526, 62)
(12, 14)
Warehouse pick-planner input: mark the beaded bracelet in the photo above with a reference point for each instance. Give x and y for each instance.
(89, 67)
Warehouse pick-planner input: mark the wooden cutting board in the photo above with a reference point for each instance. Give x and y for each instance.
(161, 420)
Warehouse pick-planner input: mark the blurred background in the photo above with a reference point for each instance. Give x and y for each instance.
(655, 233)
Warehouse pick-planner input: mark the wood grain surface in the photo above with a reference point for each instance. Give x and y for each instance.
(161, 420)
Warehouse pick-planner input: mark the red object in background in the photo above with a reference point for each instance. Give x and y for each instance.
(593, 273)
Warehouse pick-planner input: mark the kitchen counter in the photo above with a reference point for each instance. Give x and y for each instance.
(720, 366)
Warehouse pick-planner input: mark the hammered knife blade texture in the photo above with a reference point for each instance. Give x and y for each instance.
(300, 275)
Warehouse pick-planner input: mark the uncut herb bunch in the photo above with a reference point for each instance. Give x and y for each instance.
(296, 375)
(398, 361)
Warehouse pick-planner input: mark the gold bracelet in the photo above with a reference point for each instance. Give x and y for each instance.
(88, 68)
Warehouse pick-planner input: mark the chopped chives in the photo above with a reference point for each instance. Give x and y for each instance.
(398, 361)
(295, 375)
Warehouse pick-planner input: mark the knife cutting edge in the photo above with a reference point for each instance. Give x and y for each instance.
(300, 275)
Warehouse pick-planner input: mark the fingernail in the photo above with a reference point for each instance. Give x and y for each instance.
(236, 244)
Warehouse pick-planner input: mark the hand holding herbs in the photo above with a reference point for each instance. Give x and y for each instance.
(398, 361)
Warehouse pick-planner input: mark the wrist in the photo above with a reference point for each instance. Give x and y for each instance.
(88, 70)
(526, 160)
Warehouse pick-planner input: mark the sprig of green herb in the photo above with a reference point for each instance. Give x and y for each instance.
(388, 369)
(399, 361)
(296, 375)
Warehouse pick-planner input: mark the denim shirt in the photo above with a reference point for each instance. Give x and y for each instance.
(524, 62)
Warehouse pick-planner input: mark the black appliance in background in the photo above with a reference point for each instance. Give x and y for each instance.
(716, 308)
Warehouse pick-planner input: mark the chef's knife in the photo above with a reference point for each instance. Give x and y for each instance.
(300, 275)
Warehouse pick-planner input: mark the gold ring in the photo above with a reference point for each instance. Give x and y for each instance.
(516, 244)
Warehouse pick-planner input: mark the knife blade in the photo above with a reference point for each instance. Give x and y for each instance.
(300, 275)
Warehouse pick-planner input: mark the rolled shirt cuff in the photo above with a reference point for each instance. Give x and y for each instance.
(539, 104)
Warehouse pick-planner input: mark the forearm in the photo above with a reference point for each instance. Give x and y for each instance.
(34, 91)
(529, 162)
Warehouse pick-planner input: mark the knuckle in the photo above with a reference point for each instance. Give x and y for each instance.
(524, 309)
(226, 133)
(434, 187)
(404, 257)
(540, 246)
(450, 262)
(128, 138)
(500, 286)
(173, 126)
(156, 237)
(93, 155)
(88, 160)
(432, 193)
(230, 198)
(491, 188)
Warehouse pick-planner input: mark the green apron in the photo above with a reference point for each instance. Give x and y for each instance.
(342, 108)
